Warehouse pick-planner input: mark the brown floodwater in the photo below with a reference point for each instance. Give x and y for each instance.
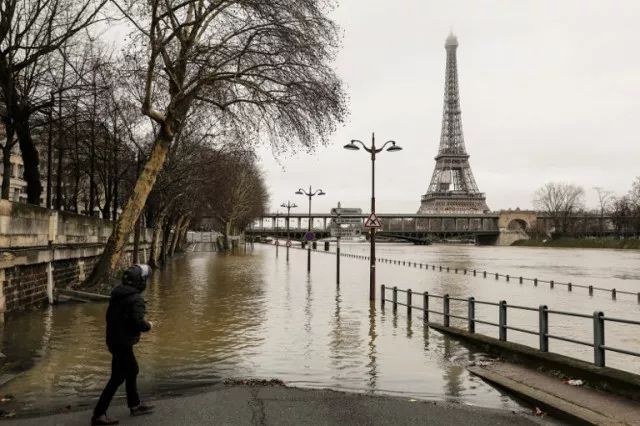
(219, 316)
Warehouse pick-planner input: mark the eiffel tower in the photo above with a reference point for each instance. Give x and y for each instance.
(453, 188)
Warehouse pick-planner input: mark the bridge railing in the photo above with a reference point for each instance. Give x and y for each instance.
(599, 319)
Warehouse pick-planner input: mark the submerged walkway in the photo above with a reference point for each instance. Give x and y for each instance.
(279, 405)
(578, 403)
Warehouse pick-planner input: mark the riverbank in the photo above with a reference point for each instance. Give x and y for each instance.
(250, 404)
(600, 243)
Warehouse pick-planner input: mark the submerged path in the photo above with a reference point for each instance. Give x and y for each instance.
(279, 405)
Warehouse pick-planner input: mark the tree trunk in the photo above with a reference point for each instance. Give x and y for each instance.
(30, 159)
(154, 256)
(59, 178)
(116, 177)
(227, 233)
(185, 229)
(124, 225)
(166, 234)
(136, 241)
(177, 234)
(76, 171)
(6, 164)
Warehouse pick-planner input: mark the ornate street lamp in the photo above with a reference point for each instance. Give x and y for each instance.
(309, 194)
(392, 147)
(288, 206)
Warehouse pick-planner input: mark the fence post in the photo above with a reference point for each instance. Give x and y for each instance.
(440, 267)
(569, 287)
(447, 269)
(382, 296)
(484, 274)
(474, 274)
(445, 310)
(507, 277)
(598, 338)
(465, 272)
(535, 282)
(395, 298)
(551, 284)
(543, 316)
(409, 294)
(590, 290)
(520, 280)
(497, 276)
(503, 320)
(456, 270)
(613, 293)
(425, 305)
(639, 297)
(472, 315)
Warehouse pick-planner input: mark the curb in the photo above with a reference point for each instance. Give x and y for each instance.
(552, 404)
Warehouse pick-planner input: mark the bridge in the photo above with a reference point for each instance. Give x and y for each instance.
(496, 228)
(417, 228)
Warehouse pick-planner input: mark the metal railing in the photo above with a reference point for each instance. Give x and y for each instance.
(508, 278)
(599, 320)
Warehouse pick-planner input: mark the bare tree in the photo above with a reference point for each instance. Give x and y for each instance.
(237, 193)
(559, 200)
(259, 67)
(634, 193)
(30, 30)
(605, 201)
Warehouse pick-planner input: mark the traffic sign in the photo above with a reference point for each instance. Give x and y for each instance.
(288, 243)
(309, 236)
(373, 222)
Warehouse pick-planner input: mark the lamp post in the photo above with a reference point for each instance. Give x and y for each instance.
(338, 235)
(288, 206)
(309, 194)
(353, 145)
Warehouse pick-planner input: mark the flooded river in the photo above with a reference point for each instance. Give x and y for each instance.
(220, 316)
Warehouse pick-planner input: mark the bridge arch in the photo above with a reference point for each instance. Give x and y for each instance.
(518, 224)
(517, 220)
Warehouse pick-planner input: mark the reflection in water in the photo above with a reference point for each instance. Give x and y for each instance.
(372, 365)
(218, 315)
(308, 316)
(452, 371)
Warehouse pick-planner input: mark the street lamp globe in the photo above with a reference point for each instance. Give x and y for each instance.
(394, 147)
(352, 146)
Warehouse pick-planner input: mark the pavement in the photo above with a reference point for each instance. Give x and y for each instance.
(575, 403)
(280, 405)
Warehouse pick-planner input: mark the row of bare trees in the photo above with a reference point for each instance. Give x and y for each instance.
(564, 204)
(195, 85)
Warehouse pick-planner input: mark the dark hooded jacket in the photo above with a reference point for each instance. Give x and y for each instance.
(125, 314)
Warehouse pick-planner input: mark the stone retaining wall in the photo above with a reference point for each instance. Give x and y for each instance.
(33, 238)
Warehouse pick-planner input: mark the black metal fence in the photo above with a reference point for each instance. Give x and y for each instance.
(599, 320)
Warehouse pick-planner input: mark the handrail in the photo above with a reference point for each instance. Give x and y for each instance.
(598, 318)
(485, 274)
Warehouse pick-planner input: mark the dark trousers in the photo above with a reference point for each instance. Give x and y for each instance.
(124, 368)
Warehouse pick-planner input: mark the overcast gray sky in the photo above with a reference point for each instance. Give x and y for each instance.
(550, 90)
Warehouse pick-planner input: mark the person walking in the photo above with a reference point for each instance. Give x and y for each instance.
(125, 322)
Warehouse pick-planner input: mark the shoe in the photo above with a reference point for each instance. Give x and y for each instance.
(141, 410)
(103, 420)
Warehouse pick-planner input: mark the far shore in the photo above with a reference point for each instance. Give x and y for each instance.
(600, 243)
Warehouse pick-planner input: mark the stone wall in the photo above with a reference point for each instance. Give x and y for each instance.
(42, 249)
(24, 286)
